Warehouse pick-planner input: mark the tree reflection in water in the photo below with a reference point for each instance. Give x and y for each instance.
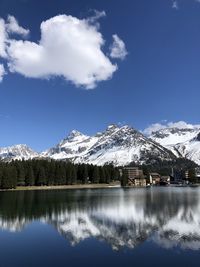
(121, 217)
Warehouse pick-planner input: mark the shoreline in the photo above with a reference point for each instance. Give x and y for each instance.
(84, 186)
(62, 187)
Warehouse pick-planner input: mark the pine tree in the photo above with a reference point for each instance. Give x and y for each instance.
(9, 177)
(73, 175)
(60, 174)
(1, 174)
(192, 175)
(20, 174)
(85, 174)
(51, 173)
(107, 174)
(43, 172)
(124, 179)
(29, 179)
(102, 175)
(95, 176)
(69, 174)
(41, 179)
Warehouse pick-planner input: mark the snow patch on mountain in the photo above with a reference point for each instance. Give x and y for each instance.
(182, 142)
(17, 152)
(116, 145)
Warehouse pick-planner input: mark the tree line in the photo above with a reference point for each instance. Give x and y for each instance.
(51, 172)
(164, 167)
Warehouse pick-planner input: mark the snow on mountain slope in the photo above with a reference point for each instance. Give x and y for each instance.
(117, 145)
(172, 136)
(75, 144)
(182, 142)
(17, 152)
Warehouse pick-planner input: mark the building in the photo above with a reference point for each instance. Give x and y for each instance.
(135, 176)
(140, 181)
(179, 177)
(197, 172)
(165, 180)
(154, 178)
(132, 172)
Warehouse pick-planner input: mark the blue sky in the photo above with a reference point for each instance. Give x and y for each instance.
(158, 81)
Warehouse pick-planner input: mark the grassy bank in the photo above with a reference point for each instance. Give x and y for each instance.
(62, 187)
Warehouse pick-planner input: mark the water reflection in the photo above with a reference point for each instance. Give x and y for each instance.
(170, 217)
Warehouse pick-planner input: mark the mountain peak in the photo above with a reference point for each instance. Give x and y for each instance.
(119, 145)
(73, 136)
(75, 133)
(20, 151)
(112, 127)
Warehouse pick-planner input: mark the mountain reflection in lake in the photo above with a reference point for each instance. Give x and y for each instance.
(124, 225)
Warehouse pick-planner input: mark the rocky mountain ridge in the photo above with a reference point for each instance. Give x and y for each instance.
(183, 142)
(119, 145)
(116, 145)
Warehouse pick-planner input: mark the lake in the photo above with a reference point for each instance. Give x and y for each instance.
(100, 227)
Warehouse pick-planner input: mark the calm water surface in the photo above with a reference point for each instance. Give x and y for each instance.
(104, 227)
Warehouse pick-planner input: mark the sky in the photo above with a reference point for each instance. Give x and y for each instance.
(85, 64)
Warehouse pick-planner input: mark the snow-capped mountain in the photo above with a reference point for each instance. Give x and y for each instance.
(182, 142)
(117, 145)
(17, 152)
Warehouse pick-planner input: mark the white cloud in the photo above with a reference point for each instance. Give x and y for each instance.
(13, 26)
(182, 125)
(8, 27)
(158, 126)
(2, 72)
(175, 5)
(69, 47)
(118, 48)
(2, 38)
(153, 128)
(97, 15)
